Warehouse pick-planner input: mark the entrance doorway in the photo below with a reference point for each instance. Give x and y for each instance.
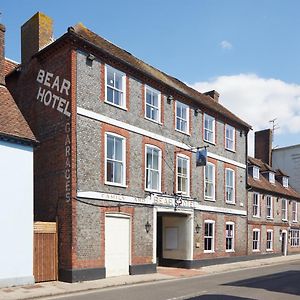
(284, 242)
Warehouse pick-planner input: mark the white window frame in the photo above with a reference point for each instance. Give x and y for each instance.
(213, 182)
(285, 181)
(212, 237)
(228, 139)
(227, 186)
(295, 237)
(159, 168)
(284, 210)
(182, 156)
(269, 241)
(272, 177)
(152, 90)
(269, 207)
(213, 130)
(257, 241)
(257, 196)
(187, 120)
(295, 211)
(255, 172)
(232, 237)
(123, 184)
(123, 91)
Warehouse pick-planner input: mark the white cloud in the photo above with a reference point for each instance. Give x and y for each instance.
(226, 45)
(258, 100)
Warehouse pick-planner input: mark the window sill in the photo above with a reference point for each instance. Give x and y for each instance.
(230, 203)
(253, 250)
(153, 191)
(256, 217)
(116, 184)
(183, 132)
(270, 218)
(295, 221)
(284, 220)
(115, 105)
(269, 250)
(153, 121)
(230, 150)
(210, 142)
(229, 251)
(209, 199)
(208, 251)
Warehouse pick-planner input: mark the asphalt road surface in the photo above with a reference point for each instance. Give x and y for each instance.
(272, 282)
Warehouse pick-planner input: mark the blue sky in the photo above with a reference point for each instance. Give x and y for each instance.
(248, 50)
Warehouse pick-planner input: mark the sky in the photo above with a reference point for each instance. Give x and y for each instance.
(247, 50)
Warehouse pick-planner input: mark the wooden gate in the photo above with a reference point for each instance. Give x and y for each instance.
(45, 259)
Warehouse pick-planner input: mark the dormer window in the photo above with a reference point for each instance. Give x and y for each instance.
(272, 177)
(255, 172)
(285, 182)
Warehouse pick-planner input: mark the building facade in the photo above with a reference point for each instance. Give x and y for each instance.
(116, 165)
(16, 183)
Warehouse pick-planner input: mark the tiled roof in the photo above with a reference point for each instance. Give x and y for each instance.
(92, 38)
(12, 122)
(263, 184)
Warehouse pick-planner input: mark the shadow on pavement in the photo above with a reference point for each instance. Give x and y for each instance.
(284, 282)
(218, 297)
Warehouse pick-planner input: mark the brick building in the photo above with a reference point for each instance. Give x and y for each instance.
(116, 165)
(273, 205)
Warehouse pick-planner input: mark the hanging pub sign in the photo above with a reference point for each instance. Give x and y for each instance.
(201, 157)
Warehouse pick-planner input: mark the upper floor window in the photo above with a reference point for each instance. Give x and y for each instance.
(153, 105)
(256, 240)
(284, 211)
(256, 205)
(209, 182)
(182, 117)
(115, 159)
(209, 128)
(209, 236)
(229, 236)
(294, 211)
(271, 177)
(115, 87)
(255, 172)
(269, 207)
(269, 240)
(153, 168)
(285, 181)
(183, 177)
(230, 185)
(229, 137)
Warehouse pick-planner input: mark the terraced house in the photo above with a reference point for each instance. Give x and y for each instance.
(273, 210)
(117, 166)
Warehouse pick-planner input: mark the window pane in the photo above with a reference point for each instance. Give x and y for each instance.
(118, 81)
(109, 171)
(118, 97)
(148, 111)
(149, 158)
(110, 147)
(118, 172)
(118, 149)
(155, 179)
(155, 159)
(110, 77)
(110, 96)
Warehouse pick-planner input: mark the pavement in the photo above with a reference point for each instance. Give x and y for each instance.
(58, 288)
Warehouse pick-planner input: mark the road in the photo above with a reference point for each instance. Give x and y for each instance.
(271, 282)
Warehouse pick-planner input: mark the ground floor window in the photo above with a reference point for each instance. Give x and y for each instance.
(269, 240)
(209, 236)
(229, 236)
(295, 237)
(255, 240)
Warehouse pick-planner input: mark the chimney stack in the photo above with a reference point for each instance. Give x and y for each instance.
(263, 145)
(36, 33)
(2, 54)
(213, 94)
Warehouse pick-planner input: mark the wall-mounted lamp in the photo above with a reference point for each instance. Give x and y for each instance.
(170, 99)
(90, 57)
(147, 226)
(198, 228)
(241, 133)
(197, 111)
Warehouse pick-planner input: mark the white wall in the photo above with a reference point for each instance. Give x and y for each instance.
(16, 214)
(288, 160)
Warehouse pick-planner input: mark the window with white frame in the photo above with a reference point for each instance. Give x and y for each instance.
(153, 168)
(230, 185)
(183, 175)
(284, 210)
(285, 182)
(256, 205)
(269, 207)
(256, 240)
(271, 177)
(209, 128)
(269, 240)
(209, 236)
(295, 237)
(229, 236)
(115, 165)
(255, 172)
(229, 137)
(294, 211)
(115, 87)
(153, 99)
(182, 117)
(209, 181)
